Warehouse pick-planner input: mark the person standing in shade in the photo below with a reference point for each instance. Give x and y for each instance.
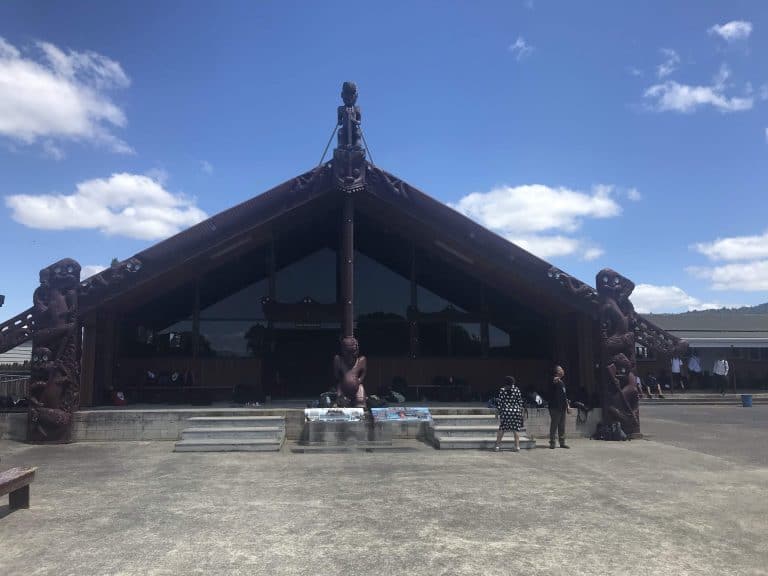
(694, 369)
(677, 379)
(720, 371)
(558, 408)
(651, 384)
(509, 404)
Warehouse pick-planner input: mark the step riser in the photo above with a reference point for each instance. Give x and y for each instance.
(448, 433)
(459, 421)
(214, 434)
(508, 437)
(228, 448)
(232, 434)
(446, 444)
(235, 422)
(682, 402)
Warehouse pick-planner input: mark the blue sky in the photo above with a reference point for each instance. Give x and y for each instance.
(595, 134)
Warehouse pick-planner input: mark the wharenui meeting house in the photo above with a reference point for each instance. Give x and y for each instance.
(254, 303)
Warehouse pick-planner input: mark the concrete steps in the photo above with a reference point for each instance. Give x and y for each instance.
(465, 420)
(240, 432)
(227, 445)
(232, 421)
(482, 442)
(472, 432)
(232, 434)
(713, 401)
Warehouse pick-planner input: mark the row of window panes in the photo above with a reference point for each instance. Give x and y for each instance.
(248, 338)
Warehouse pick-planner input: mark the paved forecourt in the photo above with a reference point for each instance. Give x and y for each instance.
(635, 508)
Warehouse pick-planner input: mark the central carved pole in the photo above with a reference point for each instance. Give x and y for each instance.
(348, 268)
(349, 173)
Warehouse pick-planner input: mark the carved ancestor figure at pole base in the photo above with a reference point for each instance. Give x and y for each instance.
(54, 392)
(349, 369)
(620, 398)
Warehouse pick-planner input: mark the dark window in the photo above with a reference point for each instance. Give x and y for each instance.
(313, 276)
(466, 339)
(379, 292)
(232, 338)
(433, 339)
(498, 342)
(243, 304)
(161, 327)
(383, 338)
(428, 301)
(175, 339)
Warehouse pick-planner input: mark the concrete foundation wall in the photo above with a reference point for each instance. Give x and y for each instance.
(537, 423)
(136, 425)
(116, 425)
(13, 426)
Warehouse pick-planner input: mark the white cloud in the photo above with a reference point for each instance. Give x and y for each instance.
(521, 49)
(206, 167)
(634, 195)
(7, 51)
(743, 276)
(53, 95)
(525, 214)
(764, 92)
(593, 253)
(671, 60)
(736, 248)
(766, 134)
(658, 299)
(634, 71)
(52, 150)
(732, 31)
(675, 97)
(159, 175)
(90, 270)
(546, 246)
(124, 204)
(750, 274)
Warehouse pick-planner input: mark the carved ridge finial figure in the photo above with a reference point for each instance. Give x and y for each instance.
(617, 319)
(349, 369)
(349, 156)
(54, 393)
(349, 117)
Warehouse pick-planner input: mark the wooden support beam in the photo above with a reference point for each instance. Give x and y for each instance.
(347, 268)
(196, 319)
(413, 325)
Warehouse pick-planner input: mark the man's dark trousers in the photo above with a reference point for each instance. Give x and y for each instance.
(557, 424)
(722, 383)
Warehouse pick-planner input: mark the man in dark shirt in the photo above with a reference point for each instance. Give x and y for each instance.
(558, 407)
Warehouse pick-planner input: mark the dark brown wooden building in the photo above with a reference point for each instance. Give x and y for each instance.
(253, 301)
(251, 298)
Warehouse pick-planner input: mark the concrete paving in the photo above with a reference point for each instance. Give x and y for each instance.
(739, 435)
(601, 508)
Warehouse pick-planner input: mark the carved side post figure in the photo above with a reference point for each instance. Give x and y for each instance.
(620, 398)
(54, 393)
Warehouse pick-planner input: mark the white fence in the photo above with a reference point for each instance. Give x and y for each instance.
(14, 385)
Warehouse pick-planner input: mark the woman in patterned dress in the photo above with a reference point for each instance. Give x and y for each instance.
(509, 404)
